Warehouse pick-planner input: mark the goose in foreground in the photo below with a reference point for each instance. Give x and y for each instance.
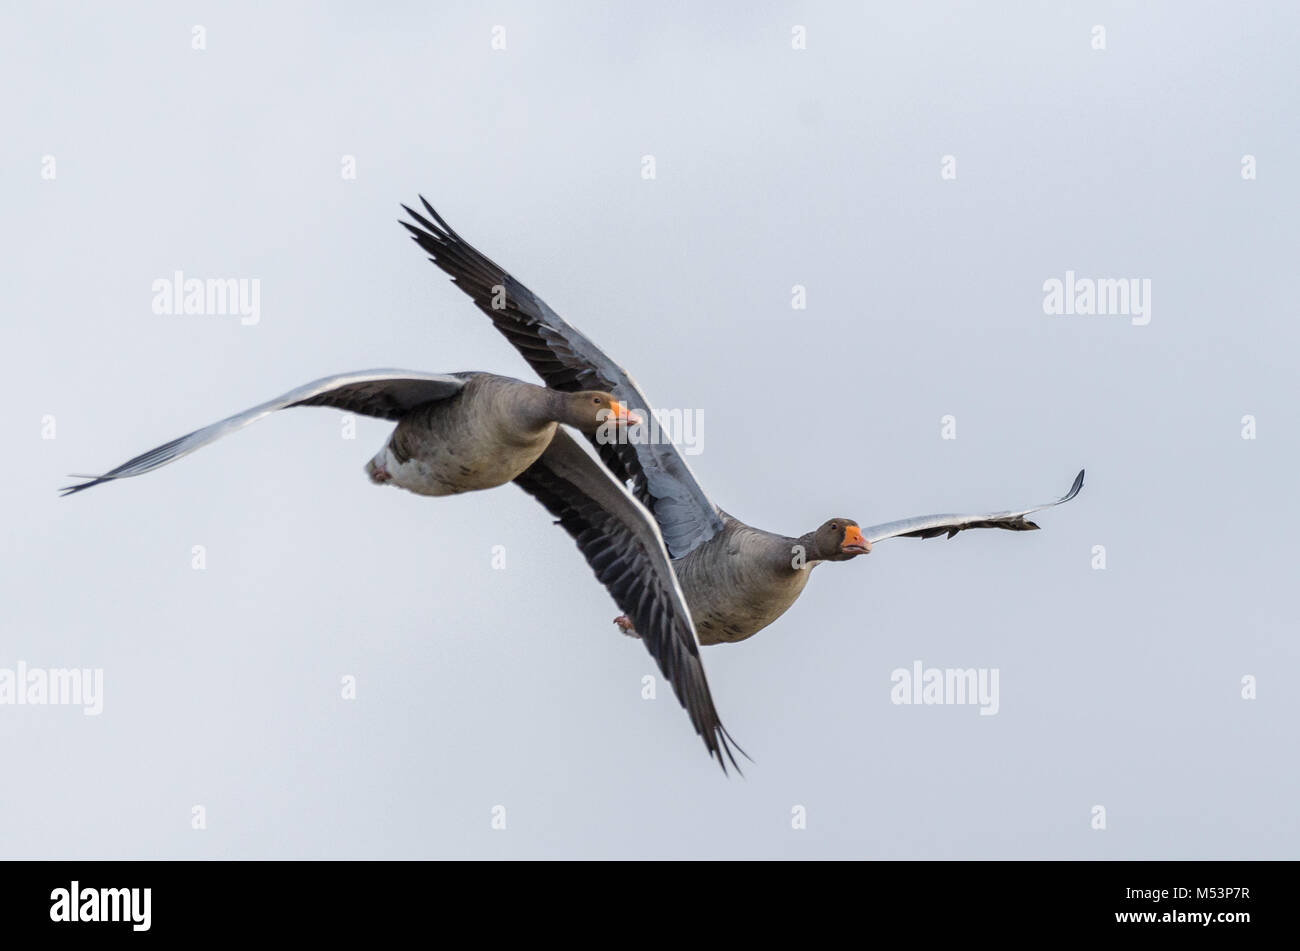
(456, 432)
(462, 432)
(737, 579)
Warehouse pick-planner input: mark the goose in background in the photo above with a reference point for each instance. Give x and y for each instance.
(737, 579)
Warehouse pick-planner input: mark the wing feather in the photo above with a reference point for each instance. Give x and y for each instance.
(387, 394)
(931, 526)
(624, 548)
(566, 360)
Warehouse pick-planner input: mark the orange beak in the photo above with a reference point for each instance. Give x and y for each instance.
(854, 543)
(621, 412)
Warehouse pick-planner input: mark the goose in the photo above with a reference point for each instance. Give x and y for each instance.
(466, 432)
(737, 579)
(456, 432)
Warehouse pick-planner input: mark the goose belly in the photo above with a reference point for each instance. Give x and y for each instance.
(452, 474)
(730, 603)
(452, 461)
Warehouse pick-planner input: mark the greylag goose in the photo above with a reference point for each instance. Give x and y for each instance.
(456, 432)
(737, 579)
(462, 432)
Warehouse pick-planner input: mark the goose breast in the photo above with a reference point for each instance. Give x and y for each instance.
(739, 582)
(484, 437)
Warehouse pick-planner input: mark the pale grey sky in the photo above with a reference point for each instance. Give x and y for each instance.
(774, 167)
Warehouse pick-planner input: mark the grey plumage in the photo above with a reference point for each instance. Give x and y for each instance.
(464, 432)
(625, 549)
(740, 581)
(457, 432)
(930, 526)
(388, 394)
(737, 579)
(566, 360)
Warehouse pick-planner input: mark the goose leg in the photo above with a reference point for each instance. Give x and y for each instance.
(625, 625)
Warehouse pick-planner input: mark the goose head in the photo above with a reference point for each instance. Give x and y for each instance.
(589, 410)
(838, 539)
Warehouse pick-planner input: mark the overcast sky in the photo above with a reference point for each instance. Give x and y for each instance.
(130, 154)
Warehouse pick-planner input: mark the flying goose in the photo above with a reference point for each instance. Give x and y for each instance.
(737, 579)
(462, 432)
(456, 432)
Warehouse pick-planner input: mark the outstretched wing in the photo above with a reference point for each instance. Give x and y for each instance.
(388, 394)
(930, 526)
(624, 548)
(567, 360)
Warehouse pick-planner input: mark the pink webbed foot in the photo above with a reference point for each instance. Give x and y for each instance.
(378, 474)
(625, 625)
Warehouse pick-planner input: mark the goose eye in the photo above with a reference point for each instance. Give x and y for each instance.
(596, 400)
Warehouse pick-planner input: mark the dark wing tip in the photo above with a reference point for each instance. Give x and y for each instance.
(438, 218)
(74, 489)
(1074, 489)
(730, 743)
(722, 746)
(427, 228)
(441, 230)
